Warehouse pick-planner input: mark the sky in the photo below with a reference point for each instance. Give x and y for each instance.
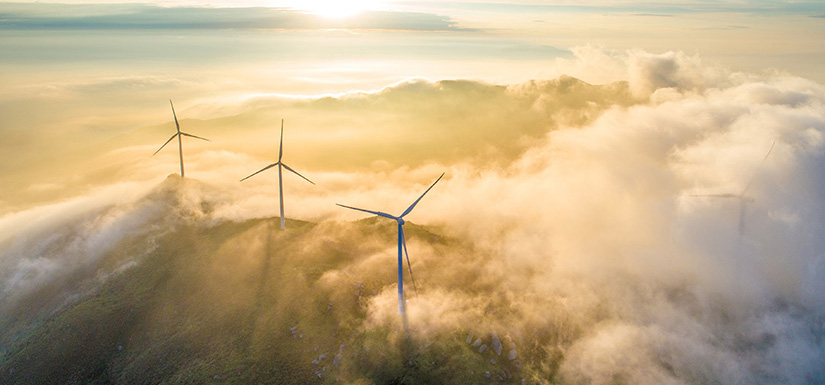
(77, 74)
(582, 144)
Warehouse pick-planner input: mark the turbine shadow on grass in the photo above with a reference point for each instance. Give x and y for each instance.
(248, 337)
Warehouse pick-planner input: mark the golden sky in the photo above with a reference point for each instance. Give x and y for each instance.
(82, 79)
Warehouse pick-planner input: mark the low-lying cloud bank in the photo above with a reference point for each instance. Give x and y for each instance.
(590, 251)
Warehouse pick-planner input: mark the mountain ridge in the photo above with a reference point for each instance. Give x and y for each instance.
(195, 300)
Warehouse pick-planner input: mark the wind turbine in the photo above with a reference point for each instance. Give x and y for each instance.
(280, 165)
(401, 244)
(743, 198)
(178, 134)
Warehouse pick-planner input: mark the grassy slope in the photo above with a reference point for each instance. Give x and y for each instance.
(238, 303)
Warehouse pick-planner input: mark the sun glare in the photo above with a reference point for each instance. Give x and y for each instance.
(336, 9)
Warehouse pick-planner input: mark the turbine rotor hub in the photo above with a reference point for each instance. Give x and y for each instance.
(401, 221)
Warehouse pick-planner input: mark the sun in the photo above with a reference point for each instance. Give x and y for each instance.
(336, 9)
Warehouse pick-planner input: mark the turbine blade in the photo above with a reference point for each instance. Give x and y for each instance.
(409, 266)
(758, 169)
(177, 126)
(768, 153)
(261, 170)
(281, 148)
(164, 145)
(407, 211)
(385, 215)
(193, 136)
(296, 173)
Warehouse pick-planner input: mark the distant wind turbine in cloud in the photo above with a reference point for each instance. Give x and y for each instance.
(402, 243)
(178, 134)
(280, 165)
(743, 198)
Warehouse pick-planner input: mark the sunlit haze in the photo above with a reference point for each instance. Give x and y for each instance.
(632, 192)
(335, 9)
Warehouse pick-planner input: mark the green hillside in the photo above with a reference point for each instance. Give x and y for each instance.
(197, 301)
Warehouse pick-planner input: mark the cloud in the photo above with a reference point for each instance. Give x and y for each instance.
(125, 84)
(592, 232)
(409, 124)
(47, 244)
(605, 208)
(645, 72)
(624, 7)
(150, 17)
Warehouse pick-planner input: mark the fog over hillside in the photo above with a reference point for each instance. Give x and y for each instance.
(571, 240)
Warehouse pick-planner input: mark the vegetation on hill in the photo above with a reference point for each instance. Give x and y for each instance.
(194, 301)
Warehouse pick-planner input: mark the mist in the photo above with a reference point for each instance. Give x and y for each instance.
(570, 241)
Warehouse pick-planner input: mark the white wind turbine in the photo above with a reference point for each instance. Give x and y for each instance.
(178, 134)
(401, 244)
(743, 198)
(280, 165)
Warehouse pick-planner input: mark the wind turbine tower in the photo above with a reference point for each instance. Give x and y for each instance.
(281, 165)
(743, 198)
(402, 244)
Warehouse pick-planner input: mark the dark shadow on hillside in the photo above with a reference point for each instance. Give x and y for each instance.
(247, 337)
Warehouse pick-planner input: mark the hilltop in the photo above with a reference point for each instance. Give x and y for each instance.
(185, 299)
